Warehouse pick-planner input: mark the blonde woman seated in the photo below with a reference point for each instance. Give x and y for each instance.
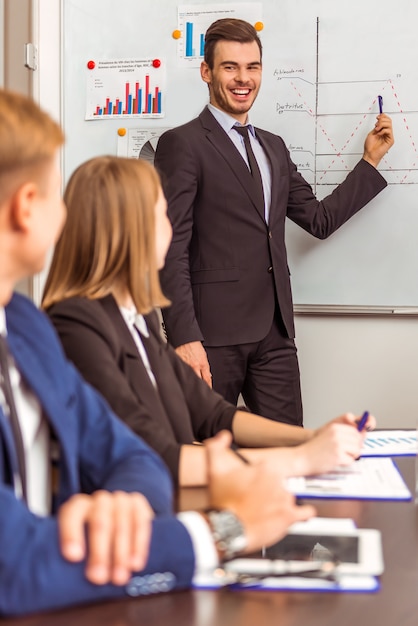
(101, 295)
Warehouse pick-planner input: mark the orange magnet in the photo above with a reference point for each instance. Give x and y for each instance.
(121, 132)
(176, 34)
(259, 26)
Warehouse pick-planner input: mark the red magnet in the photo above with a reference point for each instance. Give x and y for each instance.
(91, 65)
(156, 63)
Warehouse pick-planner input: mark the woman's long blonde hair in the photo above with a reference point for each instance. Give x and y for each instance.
(109, 236)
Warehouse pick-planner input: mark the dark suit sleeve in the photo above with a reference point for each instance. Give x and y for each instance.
(322, 218)
(209, 412)
(35, 577)
(92, 344)
(33, 574)
(177, 166)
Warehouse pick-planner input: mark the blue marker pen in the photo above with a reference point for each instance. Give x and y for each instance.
(380, 104)
(362, 423)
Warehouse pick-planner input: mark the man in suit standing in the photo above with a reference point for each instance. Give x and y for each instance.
(229, 188)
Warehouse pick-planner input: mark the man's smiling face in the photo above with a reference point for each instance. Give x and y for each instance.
(235, 79)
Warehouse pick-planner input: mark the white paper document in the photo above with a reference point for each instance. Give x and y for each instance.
(367, 478)
(390, 443)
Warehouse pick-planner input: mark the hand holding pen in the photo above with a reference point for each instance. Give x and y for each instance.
(380, 139)
(361, 424)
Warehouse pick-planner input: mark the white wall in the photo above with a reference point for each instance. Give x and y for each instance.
(47, 85)
(46, 35)
(15, 33)
(358, 364)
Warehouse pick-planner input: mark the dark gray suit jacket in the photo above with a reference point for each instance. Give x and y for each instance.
(184, 409)
(226, 267)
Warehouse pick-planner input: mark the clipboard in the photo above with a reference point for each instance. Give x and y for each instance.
(358, 584)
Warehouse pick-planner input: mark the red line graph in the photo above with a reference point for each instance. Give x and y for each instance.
(338, 152)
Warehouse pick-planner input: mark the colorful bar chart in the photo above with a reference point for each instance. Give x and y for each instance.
(189, 40)
(200, 38)
(111, 94)
(193, 22)
(136, 102)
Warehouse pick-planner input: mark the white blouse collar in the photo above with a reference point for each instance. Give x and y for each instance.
(132, 318)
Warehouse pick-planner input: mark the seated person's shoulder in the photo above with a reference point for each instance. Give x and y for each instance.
(32, 337)
(79, 309)
(24, 318)
(80, 320)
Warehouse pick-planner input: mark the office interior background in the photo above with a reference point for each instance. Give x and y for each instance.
(348, 362)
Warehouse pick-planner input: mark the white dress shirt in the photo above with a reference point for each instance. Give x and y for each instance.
(35, 435)
(204, 548)
(138, 326)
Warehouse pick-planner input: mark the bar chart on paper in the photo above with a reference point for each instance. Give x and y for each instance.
(193, 21)
(390, 443)
(121, 88)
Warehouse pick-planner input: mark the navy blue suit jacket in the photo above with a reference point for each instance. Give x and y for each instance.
(97, 451)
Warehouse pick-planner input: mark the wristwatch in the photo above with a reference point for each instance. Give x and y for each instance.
(228, 533)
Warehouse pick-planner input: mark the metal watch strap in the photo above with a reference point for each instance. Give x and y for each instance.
(228, 533)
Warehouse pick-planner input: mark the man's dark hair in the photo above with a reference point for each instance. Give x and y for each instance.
(228, 29)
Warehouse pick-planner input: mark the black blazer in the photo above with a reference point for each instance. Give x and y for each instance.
(183, 409)
(226, 266)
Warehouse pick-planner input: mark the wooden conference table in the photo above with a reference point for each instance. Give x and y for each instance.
(396, 604)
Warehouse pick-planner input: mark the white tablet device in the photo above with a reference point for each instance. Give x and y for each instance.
(353, 552)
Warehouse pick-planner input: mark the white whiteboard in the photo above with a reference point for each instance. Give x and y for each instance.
(324, 64)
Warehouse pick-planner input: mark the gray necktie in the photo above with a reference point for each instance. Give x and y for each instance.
(255, 170)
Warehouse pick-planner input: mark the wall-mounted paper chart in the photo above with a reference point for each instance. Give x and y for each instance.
(139, 143)
(125, 88)
(194, 20)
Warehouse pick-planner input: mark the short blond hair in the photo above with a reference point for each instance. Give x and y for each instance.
(109, 236)
(29, 138)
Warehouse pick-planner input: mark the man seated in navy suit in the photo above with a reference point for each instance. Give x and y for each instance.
(85, 506)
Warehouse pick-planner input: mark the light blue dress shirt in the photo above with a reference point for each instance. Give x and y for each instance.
(227, 122)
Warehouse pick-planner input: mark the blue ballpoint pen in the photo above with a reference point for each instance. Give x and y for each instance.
(380, 104)
(362, 423)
